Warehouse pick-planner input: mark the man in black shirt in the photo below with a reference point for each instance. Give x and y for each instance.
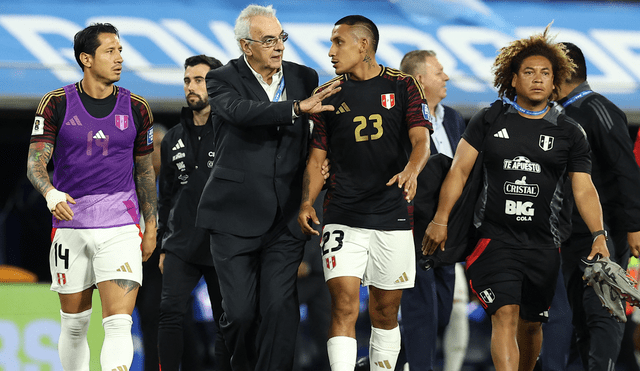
(381, 116)
(187, 158)
(529, 151)
(616, 177)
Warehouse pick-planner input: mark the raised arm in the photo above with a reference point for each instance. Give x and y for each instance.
(228, 103)
(420, 152)
(39, 156)
(147, 198)
(588, 204)
(312, 183)
(463, 161)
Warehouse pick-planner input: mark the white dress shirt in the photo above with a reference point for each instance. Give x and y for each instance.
(439, 135)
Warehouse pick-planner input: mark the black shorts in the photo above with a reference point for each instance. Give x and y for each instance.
(503, 274)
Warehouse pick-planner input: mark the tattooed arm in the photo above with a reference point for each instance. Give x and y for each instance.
(39, 155)
(145, 179)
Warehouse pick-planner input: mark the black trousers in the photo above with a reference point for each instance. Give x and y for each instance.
(178, 281)
(598, 335)
(260, 299)
(148, 302)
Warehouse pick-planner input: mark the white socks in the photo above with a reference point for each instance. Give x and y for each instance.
(73, 347)
(117, 349)
(384, 348)
(343, 351)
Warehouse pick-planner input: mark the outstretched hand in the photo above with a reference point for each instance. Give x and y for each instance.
(313, 104)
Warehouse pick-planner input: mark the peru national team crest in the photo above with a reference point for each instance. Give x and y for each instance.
(122, 122)
(488, 296)
(388, 100)
(330, 262)
(546, 142)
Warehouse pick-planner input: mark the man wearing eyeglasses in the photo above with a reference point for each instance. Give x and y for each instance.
(250, 202)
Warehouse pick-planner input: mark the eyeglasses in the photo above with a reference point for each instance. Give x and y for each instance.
(270, 42)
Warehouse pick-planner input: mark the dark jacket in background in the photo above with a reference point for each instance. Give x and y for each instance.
(186, 164)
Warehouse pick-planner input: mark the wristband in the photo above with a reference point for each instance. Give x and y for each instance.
(54, 197)
(441, 225)
(599, 233)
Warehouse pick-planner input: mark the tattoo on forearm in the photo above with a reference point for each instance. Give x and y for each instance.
(306, 181)
(146, 188)
(127, 285)
(39, 155)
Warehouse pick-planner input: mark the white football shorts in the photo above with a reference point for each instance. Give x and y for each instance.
(383, 259)
(81, 258)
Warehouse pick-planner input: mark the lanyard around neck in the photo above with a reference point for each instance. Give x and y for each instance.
(575, 98)
(523, 110)
(278, 95)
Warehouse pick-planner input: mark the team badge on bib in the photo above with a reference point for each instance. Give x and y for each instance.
(388, 100)
(546, 142)
(122, 122)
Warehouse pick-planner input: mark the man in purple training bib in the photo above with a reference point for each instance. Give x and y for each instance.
(101, 138)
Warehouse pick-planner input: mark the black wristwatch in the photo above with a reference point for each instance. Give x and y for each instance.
(296, 108)
(600, 232)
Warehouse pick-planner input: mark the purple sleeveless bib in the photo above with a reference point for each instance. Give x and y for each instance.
(93, 163)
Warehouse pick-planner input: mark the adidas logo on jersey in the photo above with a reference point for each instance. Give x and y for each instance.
(343, 108)
(124, 268)
(99, 135)
(502, 134)
(74, 121)
(121, 368)
(178, 145)
(402, 278)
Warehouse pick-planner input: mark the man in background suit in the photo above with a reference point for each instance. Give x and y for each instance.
(426, 308)
(250, 203)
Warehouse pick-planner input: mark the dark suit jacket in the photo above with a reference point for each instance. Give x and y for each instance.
(260, 153)
(431, 178)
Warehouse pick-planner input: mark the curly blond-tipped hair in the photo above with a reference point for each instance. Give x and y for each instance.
(508, 62)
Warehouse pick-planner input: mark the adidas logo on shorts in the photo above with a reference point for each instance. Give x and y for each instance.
(125, 268)
(383, 364)
(402, 278)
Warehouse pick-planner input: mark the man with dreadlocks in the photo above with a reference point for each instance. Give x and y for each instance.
(529, 150)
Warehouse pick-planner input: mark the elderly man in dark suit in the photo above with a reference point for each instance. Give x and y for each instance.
(250, 203)
(426, 308)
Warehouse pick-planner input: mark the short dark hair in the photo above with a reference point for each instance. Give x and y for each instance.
(86, 41)
(366, 23)
(202, 59)
(580, 73)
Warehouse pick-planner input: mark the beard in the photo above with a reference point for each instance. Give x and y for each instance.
(197, 105)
